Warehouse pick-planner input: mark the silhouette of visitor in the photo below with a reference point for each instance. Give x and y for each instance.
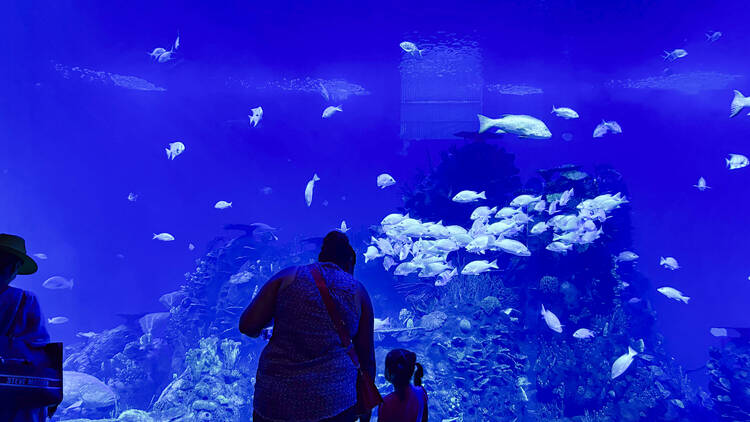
(304, 372)
(407, 403)
(27, 322)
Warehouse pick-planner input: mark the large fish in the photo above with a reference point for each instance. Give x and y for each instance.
(518, 124)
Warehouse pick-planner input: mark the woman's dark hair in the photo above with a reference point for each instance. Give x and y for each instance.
(336, 249)
(400, 365)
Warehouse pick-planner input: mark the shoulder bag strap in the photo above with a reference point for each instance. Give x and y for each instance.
(7, 329)
(333, 312)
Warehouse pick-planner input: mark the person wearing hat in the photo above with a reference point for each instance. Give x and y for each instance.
(29, 324)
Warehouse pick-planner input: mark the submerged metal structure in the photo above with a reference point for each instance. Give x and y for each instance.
(441, 89)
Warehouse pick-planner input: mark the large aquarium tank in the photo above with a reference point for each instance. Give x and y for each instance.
(548, 199)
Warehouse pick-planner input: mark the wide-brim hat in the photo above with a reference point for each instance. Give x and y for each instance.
(16, 246)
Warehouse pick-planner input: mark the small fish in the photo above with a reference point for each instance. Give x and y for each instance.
(191, 247)
(165, 57)
(372, 253)
(513, 247)
(89, 334)
(445, 277)
(583, 333)
(737, 161)
(623, 363)
(712, 36)
(343, 228)
(567, 136)
(626, 256)
(669, 263)
(388, 262)
(521, 201)
(605, 127)
(478, 267)
(120, 256)
(40, 255)
(256, 117)
(673, 293)
(175, 149)
(405, 268)
(57, 320)
(266, 190)
(385, 180)
(176, 44)
(309, 189)
(411, 48)
(674, 54)
(466, 196)
(565, 112)
(222, 205)
(132, 197)
(158, 51)
(738, 103)
(164, 237)
(552, 321)
(559, 247)
(57, 283)
(634, 300)
(719, 332)
(324, 91)
(702, 185)
(539, 228)
(331, 110)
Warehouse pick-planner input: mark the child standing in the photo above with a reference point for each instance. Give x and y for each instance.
(408, 403)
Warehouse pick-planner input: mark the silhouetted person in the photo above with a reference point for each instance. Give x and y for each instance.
(407, 403)
(28, 322)
(304, 373)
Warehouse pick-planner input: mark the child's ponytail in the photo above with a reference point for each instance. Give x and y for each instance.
(418, 375)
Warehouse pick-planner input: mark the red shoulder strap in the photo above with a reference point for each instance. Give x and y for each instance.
(338, 321)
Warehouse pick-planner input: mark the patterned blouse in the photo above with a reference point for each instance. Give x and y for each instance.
(304, 373)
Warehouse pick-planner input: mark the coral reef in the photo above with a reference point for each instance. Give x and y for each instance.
(487, 352)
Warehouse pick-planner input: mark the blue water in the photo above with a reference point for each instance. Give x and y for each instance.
(73, 149)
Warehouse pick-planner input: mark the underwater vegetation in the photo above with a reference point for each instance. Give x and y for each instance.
(487, 352)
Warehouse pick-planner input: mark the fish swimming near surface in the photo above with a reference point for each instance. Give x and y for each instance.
(385, 180)
(466, 196)
(57, 320)
(256, 117)
(551, 320)
(57, 283)
(565, 112)
(155, 53)
(175, 149)
(191, 247)
(331, 110)
(40, 255)
(737, 161)
(132, 197)
(539, 228)
(622, 363)
(309, 189)
(371, 253)
(559, 247)
(343, 228)
(702, 185)
(518, 124)
(164, 237)
(411, 48)
(738, 103)
(222, 205)
(673, 293)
